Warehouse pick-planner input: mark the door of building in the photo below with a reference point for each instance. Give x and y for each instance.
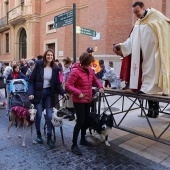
(23, 44)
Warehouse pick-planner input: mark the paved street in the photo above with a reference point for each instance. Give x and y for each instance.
(34, 156)
(38, 157)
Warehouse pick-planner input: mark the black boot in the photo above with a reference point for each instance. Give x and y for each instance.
(39, 138)
(150, 110)
(50, 143)
(156, 109)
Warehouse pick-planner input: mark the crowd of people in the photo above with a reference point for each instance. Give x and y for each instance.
(144, 70)
(48, 79)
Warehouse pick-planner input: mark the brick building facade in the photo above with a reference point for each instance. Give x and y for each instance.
(26, 26)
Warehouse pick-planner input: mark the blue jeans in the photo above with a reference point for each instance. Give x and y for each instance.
(45, 103)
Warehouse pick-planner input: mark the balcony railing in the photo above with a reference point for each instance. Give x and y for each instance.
(3, 22)
(16, 12)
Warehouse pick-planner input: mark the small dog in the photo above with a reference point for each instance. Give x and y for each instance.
(25, 116)
(56, 121)
(101, 124)
(7, 71)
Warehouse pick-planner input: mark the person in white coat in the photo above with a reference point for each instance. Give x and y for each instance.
(148, 43)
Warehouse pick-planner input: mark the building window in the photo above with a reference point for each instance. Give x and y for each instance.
(7, 42)
(49, 27)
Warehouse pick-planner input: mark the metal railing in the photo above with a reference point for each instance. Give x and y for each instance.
(3, 21)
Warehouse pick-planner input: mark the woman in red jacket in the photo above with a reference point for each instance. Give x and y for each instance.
(79, 84)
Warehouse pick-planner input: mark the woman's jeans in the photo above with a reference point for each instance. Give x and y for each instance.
(45, 103)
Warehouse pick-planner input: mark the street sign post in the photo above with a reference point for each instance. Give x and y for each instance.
(68, 18)
(63, 19)
(85, 31)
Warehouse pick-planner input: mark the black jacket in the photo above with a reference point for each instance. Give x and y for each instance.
(35, 83)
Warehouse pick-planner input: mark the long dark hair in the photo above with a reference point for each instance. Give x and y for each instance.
(52, 64)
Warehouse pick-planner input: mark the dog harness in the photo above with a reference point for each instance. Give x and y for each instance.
(22, 113)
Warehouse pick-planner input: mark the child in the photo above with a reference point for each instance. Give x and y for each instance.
(111, 78)
(68, 103)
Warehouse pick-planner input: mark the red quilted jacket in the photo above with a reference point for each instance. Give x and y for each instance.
(21, 113)
(80, 82)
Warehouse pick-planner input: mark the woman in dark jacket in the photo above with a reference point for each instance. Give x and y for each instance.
(43, 84)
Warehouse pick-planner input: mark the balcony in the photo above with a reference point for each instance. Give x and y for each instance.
(4, 24)
(16, 15)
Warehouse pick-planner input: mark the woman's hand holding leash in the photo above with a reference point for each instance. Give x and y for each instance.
(31, 97)
(66, 96)
(101, 90)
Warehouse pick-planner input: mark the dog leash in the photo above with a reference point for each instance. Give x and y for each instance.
(88, 98)
(64, 99)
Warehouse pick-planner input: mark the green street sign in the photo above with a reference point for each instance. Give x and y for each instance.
(85, 31)
(63, 16)
(63, 19)
(63, 23)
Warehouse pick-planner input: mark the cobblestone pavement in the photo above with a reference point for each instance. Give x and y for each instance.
(38, 157)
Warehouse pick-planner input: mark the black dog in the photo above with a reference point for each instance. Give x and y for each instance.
(101, 124)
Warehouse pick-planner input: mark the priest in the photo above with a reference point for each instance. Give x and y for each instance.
(149, 46)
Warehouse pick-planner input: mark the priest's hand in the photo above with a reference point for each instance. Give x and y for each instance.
(117, 49)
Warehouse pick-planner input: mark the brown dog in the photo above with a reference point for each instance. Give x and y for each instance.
(25, 116)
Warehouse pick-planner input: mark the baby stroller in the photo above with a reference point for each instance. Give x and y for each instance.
(18, 90)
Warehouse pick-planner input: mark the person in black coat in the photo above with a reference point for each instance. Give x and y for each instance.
(43, 84)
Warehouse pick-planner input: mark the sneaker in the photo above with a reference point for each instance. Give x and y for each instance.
(76, 150)
(39, 139)
(86, 143)
(71, 118)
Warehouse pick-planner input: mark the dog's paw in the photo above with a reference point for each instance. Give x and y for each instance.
(107, 143)
(23, 144)
(19, 136)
